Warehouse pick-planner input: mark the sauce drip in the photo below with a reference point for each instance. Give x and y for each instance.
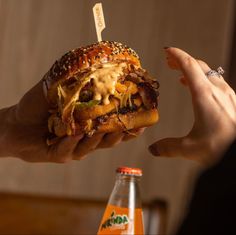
(105, 80)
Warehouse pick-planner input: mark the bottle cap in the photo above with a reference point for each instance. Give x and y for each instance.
(129, 171)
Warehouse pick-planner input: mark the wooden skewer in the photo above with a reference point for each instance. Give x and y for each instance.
(99, 20)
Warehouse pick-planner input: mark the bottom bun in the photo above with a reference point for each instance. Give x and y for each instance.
(112, 123)
(128, 121)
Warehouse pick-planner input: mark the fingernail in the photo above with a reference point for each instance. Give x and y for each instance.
(153, 150)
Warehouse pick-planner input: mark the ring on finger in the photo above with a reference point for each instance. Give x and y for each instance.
(215, 73)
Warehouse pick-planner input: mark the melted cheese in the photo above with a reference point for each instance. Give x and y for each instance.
(105, 80)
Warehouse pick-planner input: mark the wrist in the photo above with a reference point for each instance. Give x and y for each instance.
(7, 117)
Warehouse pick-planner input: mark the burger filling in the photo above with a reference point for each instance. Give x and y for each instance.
(99, 92)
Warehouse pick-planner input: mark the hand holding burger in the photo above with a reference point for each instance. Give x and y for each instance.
(79, 115)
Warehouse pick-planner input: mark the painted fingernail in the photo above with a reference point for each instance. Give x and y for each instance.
(153, 150)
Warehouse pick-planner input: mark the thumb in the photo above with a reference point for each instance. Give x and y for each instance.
(169, 147)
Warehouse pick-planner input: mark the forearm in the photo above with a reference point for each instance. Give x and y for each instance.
(7, 116)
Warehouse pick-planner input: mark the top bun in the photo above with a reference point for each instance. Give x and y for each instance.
(82, 59)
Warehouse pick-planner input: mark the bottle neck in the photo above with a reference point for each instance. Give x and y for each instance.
(126, 192)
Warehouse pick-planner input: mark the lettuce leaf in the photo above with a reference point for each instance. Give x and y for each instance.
(89, 104)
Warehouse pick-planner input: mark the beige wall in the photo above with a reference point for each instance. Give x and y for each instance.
(34, 33)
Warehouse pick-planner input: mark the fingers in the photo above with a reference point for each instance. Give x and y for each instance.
(193, 73)
(182, 147)
(169, 147)
(133, 134)
(87, 145)
(62, 151)
(216, 80)
(77, 147)
(111, 139)
(204, 66)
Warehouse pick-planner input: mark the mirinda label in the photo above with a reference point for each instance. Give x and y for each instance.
(119, 220)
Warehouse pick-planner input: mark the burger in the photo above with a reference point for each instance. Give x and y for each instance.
(100, 88)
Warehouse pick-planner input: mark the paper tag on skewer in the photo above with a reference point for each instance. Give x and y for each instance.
(99, 20)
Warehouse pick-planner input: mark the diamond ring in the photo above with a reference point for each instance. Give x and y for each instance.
(219, 72)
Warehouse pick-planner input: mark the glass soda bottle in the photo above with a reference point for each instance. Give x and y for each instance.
(123, 214)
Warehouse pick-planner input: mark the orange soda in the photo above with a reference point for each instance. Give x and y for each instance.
(123, 214)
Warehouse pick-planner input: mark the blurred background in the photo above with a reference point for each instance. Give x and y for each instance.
(34, 33)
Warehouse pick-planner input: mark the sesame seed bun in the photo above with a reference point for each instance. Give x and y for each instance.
(81, 59)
